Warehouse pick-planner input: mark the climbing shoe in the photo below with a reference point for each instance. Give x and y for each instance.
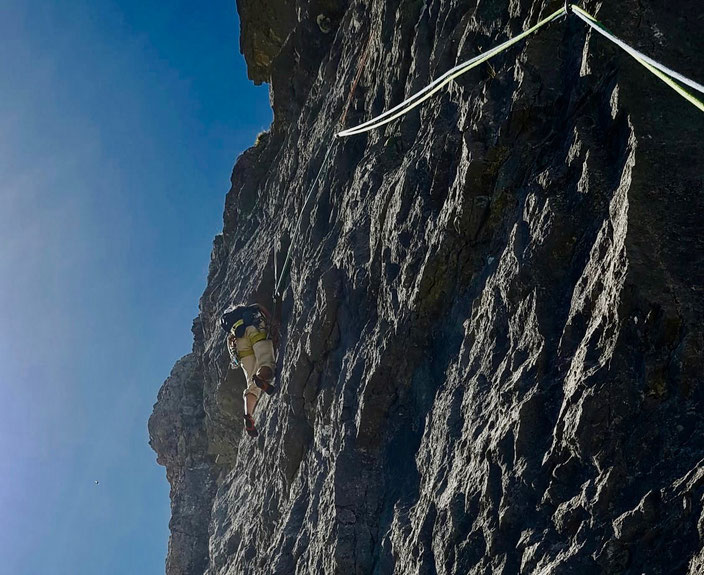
(249, 425)
(263, 378)
(264, 385)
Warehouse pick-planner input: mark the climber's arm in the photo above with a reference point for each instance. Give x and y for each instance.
(232, 348)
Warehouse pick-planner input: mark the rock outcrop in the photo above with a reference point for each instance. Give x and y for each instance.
(493, 351)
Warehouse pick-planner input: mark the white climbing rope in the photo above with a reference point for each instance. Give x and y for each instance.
(418, 98)
(663, 72)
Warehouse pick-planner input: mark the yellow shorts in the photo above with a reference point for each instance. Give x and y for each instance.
(253, 356)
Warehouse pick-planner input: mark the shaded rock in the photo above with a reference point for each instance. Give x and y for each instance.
(177, 433)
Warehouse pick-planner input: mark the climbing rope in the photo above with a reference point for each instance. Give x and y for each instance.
(419, 97)
(670, 77)
(287, 261)
(664, 73)
(360, 69)
(279, 278)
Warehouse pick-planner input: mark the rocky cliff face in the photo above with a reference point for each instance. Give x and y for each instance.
(493, 340)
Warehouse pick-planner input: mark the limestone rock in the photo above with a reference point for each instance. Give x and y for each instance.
(492, 356)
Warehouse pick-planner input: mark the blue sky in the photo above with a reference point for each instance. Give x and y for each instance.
(119, 125)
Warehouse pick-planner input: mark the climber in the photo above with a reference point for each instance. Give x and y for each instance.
(251, 339)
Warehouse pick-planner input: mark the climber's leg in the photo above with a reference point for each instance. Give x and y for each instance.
(264, 376)
(249, 426)
(251, 397)
(248, 362)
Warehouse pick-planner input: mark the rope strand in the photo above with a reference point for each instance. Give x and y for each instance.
(421, 96)
(663, 72)
(284, 268)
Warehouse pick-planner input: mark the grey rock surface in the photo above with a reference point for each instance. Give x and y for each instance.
(492, 356)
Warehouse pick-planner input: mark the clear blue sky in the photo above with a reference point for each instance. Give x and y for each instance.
(119, 125)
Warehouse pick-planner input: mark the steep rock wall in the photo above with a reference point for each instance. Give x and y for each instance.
(492, 354)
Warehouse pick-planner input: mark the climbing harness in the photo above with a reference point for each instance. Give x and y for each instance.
(257, 337)
(236, 321)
